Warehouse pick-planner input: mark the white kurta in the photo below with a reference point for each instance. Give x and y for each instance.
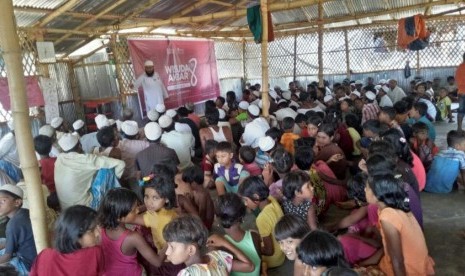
(154, 90)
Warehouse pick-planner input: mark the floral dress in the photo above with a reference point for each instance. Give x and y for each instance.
(220, 264)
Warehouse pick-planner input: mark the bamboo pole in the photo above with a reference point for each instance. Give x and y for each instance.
(320, 44)
(346, 39)
(265, 86)
(63, 8)
(9, 42)
(119, 72)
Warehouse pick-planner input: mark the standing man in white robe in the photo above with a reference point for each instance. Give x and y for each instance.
(154, 90)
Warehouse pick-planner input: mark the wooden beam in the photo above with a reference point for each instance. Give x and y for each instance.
(63, 8)
(196, 5)
(221, 3)
(81, 58)
(208, 17)
(88, 21)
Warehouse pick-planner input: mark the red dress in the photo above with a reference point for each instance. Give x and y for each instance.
(47, 173)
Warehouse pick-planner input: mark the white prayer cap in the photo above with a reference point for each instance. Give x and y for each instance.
(148, 63)
(180, 127)
(153, 115)
(358, 82)
(152, 131)
(383, 81)
(343, 98)
(68, 141)
(243, 105)
(378, 87)
(11, 125)
(266, 143)
(160, 108)
(78, 124)
(222, 113)
(111, 122)
(253, 110)
(385, 88)
(293, 103)
(56, 122)
(165, 121)
(130, 128)
(327, 98)
(256, 93)
(356, 93)
(13, 189)
(273, 94)
(171, 112)
(282, 101)
(47, 130)
(287, 95)
(101, 121)
(370, 95)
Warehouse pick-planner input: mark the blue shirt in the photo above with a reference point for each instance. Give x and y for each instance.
(444, 170)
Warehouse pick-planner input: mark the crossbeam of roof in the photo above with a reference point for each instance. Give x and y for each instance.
(63, 8)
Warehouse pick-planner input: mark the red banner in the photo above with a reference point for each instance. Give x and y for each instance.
(34, 94)
(187, 68)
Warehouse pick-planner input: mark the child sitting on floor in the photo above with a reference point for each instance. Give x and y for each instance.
(18, 247)
(43, 146)
(404, 246)
(448, 165)
(247, 159)
(76, 239)
(444, 105)
(231, 212)
(268, 211)
(187, 244)
(421, 145)
(208, 162)
(371, 131)
(229, 174)
(288, 138)
(298, 190)
(199, 195)
(289, 231)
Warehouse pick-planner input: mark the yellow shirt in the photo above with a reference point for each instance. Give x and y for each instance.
(266, 222)
(157, 221)
(355, 138)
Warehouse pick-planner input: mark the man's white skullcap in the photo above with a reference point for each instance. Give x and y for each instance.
(47, 130)
(266, 143)
(370, 95)
(78, 124)
(358, 82)
(56, 122)
(153, 115)
(130, 128)
(222, 113)
(152, 131)
(253, 110)
(171, 112)
(383, 81)
(385, 88)
(180, 127)
(160, 108)
(111, 122)
(101, 121)
(165, 121)
(356, 93)
(327, 98)
(243, 105)
(148, 63)
(68, 141)
(287, 95)
(256, 93)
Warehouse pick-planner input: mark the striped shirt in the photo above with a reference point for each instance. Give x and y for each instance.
(370, 112)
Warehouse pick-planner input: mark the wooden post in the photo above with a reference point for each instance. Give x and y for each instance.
(9, 42)
(295, 58)
(119, 74)
(346, 38)
(320, 44)
(265, 86)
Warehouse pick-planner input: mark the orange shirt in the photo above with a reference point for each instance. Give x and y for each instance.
(460, 78)
(287, 140)
(414, 250)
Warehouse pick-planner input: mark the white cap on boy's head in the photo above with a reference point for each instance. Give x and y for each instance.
(165, 121)
(152, 131)
(171, 112)
(266, 143)
(78, 124)
(101, 121)
(56, 122)
(130, 128)
(253, 110)
(17, 191)
(160, 108)
(47, 130)
(243, 105)
(153, 115)
(68, 141)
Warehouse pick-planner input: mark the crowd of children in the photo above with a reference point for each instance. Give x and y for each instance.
(366, 148)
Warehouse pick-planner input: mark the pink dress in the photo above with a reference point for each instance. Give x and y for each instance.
(116, 263)
(355, 249)
(334, 193)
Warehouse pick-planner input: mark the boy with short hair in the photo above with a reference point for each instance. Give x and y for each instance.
(288, 138)
(387, 116)
(19, 249)
(229, 174)
(208, 162)
(418, 114)
(444, 105)
(247, 159)
(448, 165)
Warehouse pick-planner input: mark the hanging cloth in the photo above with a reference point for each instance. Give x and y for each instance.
(254, 19)
(412, 33)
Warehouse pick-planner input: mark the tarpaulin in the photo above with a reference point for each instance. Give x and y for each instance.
(187, 68)
(34, 94)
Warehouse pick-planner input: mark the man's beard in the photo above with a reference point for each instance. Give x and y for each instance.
(150, 74)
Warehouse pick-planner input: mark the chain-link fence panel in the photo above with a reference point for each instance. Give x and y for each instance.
(229, 59)
(123, 64)
(281, 57)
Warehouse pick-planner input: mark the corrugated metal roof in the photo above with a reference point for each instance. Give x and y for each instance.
(24, 19)
(42, 4)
